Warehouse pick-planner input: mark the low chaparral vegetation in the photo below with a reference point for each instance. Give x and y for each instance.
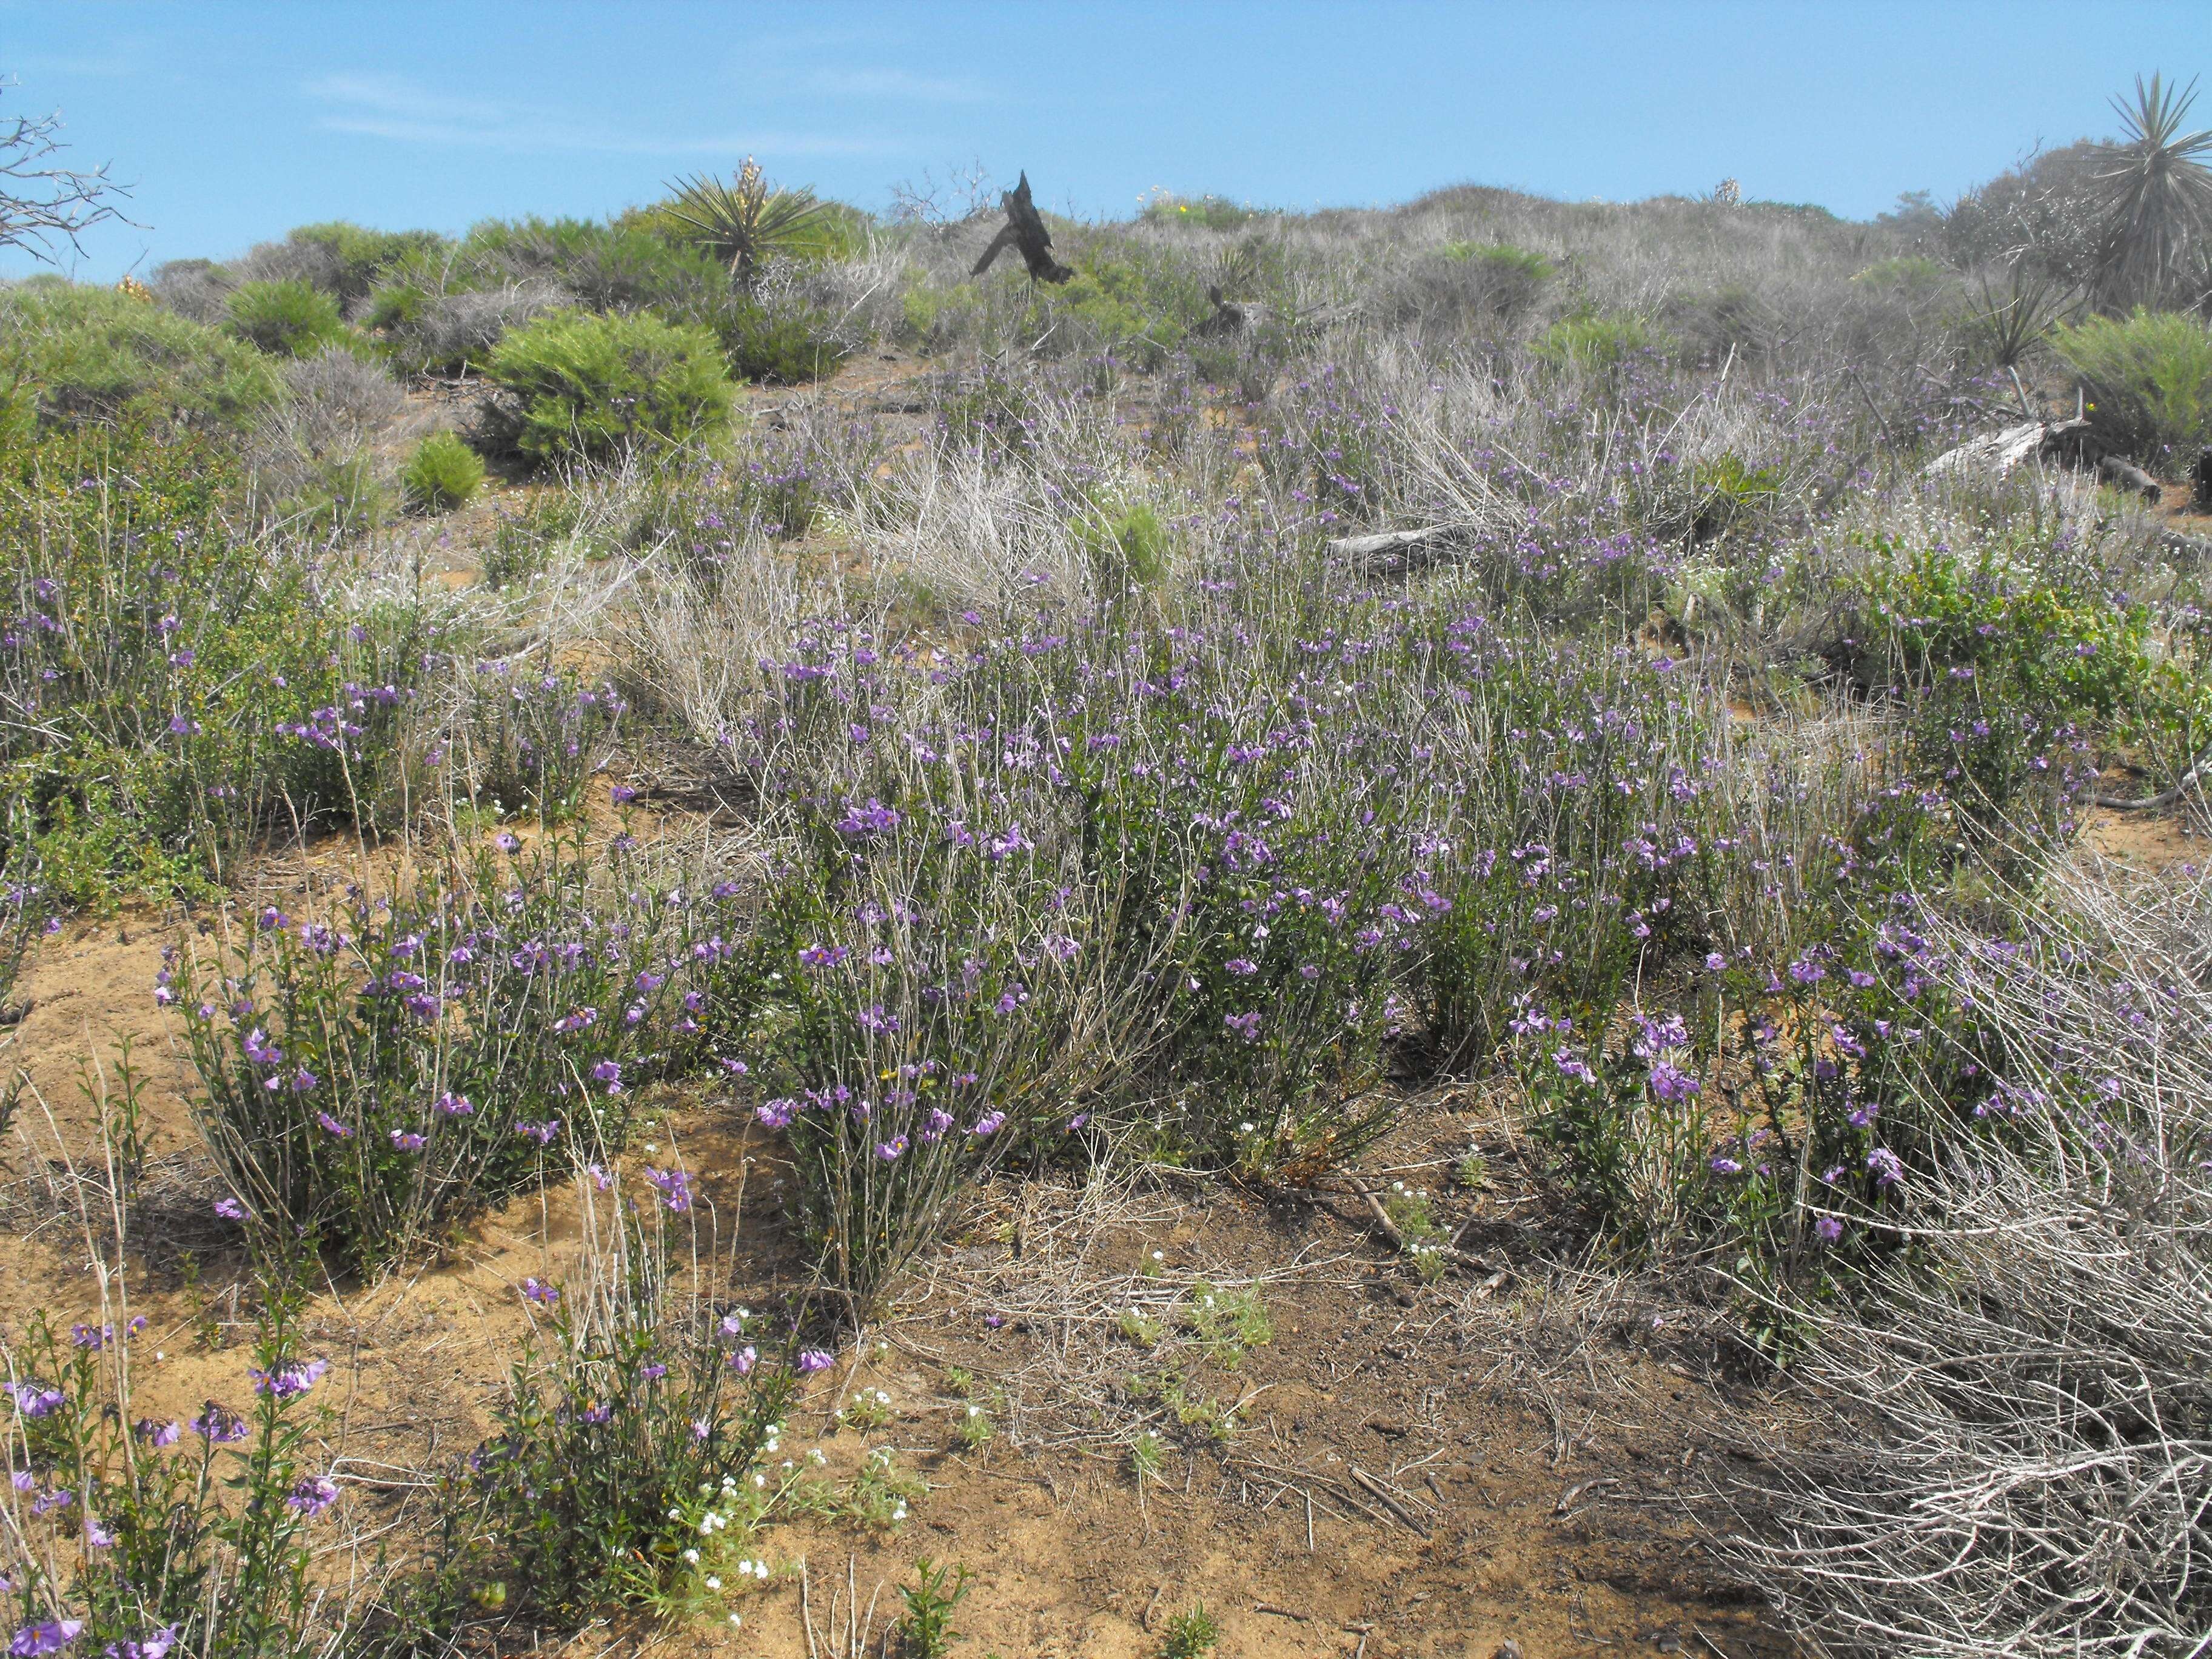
(1055, 773)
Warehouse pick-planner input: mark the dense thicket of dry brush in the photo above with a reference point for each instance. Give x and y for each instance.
(2011, 1447)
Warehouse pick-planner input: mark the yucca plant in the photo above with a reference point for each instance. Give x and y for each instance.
(2009, 317)
(743, 223)
(2156, 200)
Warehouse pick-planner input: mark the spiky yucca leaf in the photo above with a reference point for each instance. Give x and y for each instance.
(2009, 319)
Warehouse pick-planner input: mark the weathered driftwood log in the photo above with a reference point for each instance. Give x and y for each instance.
(1393, 546)
(2126, 475)
(1998, 452)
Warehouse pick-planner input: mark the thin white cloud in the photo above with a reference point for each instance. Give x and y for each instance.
(114, 67)
(899, 84)
(382, 107)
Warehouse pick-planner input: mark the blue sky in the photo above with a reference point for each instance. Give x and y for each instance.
(235, 122)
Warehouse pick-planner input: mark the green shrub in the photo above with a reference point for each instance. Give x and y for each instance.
(443, 472)
(2149, 377)
(1140, 309)
(1190, 1635)
(1130, 542)
(290, 319)
(1595, 342)
(1206, 212)
(358, 256)
(339, 495)
(1912, 273)
(783, 347)
(71, 354)
(932, 320)
(523, 543)
(2010, 675)
(580, 387)
(1511, 277)
(608, 267)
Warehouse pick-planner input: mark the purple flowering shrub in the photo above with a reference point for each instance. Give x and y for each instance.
(135, 1537)
(532, 737)
(629, 1456)
(372, 1078)
(23, 914)
(178, 686)
(1793, 1103)
(1258, 839)
(1574, 835)
(707, 508)
(918, 1025)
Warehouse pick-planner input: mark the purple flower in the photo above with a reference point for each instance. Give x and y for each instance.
(544, 1294)
(1723, 1164)
(47, 1635)
(158, 1434)
(1670, 1083)
(815, 1359)
(743, 1360)
(1245, 1026)
(156, 1646)
(332, 1126)
(96, 1535)
(622, 794)
(35, 1398)
(406, 1140)
(1884, 1165)
(290, 1381)
(313, 1495)
(890, 1151)
(608, 1071)
(873, 819)
(542, 1133)
(1828, 1229)
(219, 1426)
(453, 1105)
(230, 1209)
(775, 1114)
(674, 1186)
(990, 1124)
(506, 841)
